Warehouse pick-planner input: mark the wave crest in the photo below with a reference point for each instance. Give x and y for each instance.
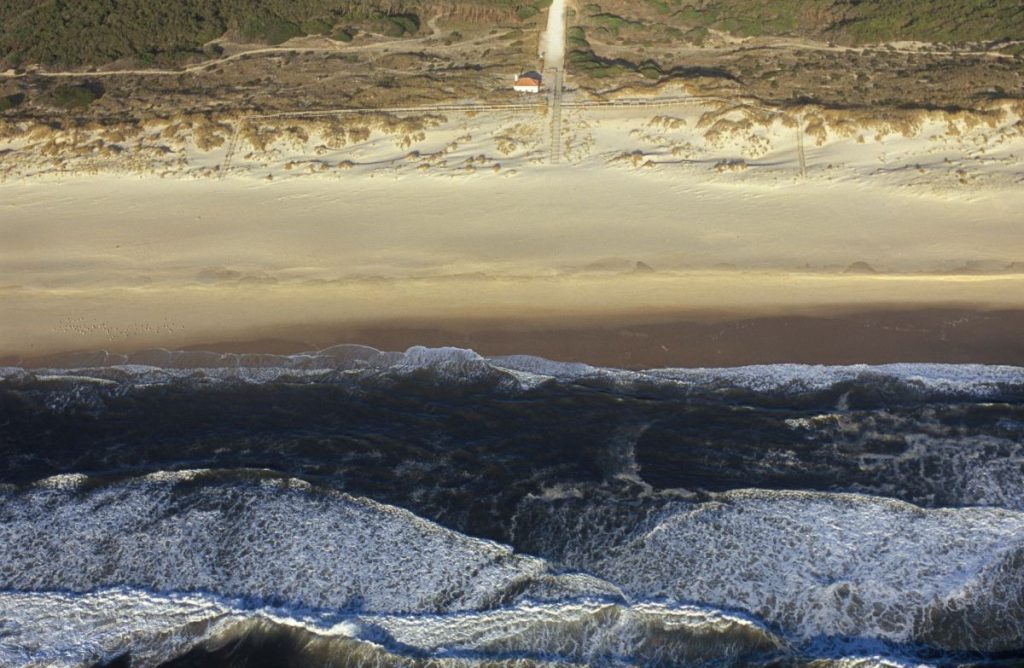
(357, 363)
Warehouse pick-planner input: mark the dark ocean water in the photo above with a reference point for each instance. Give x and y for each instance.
(434, 508)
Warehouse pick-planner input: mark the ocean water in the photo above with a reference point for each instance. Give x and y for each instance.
(353, 507)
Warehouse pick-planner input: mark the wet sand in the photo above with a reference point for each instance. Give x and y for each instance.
(947, 335)
(953, 334)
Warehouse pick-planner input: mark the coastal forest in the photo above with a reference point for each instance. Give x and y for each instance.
(71, 33)
(79, 33)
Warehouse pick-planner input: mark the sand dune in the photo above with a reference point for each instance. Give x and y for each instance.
(730, 141)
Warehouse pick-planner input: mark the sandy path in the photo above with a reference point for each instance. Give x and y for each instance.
(554, 37)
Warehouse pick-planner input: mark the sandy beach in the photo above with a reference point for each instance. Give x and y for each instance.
(634, 227)
(125, 262)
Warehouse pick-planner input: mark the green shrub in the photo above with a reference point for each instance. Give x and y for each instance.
(527, 12)
(614, 23)
(342, 35)
(392, 25)
(76, 96)
(269, 29)
(650, 70)
(697, 35)
(659, 5)
(410, 23)
(576, 38)
(11, 101)
(387, 27)
(690, 14)
(316, 27)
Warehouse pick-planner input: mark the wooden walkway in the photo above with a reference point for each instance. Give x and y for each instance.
(555, 109)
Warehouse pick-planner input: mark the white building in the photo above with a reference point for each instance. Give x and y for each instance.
(527, 82)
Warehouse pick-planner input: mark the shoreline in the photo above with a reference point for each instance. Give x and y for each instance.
(952, 334)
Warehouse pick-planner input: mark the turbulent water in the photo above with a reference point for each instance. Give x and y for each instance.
(432, 508)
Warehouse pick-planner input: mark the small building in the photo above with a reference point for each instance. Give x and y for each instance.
(528, 82)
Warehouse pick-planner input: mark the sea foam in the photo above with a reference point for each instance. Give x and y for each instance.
(266, 539)
(813, 566)
(819, 565)
(516, 372)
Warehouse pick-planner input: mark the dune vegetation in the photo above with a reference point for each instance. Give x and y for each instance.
(73, 33)
(841, 21)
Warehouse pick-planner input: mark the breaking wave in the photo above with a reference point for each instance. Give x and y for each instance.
(203, 630)
(455, 365)
(815, 565)
(196, 556)
(436, 507)
(208, 554)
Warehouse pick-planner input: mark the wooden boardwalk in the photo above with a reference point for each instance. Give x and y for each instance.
(800, 152)
(555, 109)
